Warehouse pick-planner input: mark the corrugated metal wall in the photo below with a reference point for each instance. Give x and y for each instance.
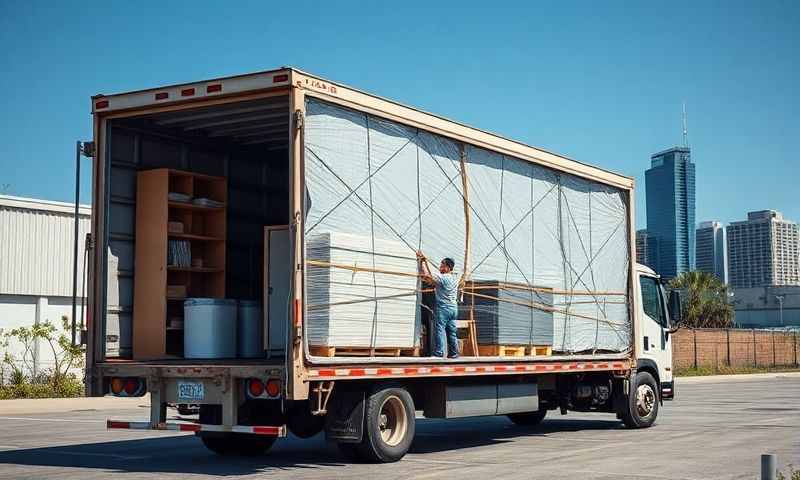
(36, 251)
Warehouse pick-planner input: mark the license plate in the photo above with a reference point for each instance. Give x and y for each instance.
(190, 390)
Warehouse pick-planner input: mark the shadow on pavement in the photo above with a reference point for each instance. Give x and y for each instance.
(177, 454)
(186, 454)
(442, 435)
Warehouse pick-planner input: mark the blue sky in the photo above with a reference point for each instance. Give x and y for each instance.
(601, 82)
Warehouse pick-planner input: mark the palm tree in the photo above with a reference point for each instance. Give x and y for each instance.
(705, 300)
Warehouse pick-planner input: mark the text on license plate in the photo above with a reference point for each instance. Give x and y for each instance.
(190, 390)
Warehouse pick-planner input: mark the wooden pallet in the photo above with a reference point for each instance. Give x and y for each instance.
(326, 351)
(515, 350)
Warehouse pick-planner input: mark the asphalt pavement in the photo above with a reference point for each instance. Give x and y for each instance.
(716, 428)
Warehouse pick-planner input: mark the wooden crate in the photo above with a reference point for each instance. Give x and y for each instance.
(326, 351)
(515, 350)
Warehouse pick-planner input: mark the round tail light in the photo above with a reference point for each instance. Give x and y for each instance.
(117, 384)
(273, 387)
(255, 387)
(131, 386)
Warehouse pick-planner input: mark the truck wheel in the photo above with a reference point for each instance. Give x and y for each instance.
(642, 406)
(238, 444)
(388, 425)
(528, 419)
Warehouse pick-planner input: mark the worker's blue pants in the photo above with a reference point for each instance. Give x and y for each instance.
(445, 324)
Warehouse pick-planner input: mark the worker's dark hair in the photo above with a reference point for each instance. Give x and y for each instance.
(449, 262)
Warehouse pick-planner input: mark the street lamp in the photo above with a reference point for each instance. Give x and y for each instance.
(780, 298)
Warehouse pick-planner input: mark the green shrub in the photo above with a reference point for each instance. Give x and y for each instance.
(22, 381)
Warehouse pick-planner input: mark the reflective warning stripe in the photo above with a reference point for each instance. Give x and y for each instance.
(277, 431)
(451, 370)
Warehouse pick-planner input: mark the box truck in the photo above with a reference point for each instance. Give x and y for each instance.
(253, 255)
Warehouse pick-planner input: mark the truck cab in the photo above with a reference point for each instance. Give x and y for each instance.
(658, 314)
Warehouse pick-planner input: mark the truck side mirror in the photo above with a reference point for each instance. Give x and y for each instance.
(675, 312)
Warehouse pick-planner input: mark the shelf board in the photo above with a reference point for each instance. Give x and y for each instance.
(198, 208)
(173, 268)
(176, 299)
(191, 236)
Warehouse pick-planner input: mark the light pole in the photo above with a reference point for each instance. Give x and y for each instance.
(780, 298)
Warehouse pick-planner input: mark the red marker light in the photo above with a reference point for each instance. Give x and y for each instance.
(214, 88)
(274, 388)
(187, 92)
(256, 387)
(131, 386)
(117, 385)
(280, 78)
(162, 95)
(101, 104)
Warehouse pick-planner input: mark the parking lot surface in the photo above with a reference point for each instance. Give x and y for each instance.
(716, 428)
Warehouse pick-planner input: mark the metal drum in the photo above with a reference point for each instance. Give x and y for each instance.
(250, 329)
(209, 328)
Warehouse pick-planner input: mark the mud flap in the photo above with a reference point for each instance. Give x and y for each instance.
(344, 421)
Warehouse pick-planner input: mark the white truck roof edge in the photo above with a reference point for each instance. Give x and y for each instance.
(286, 76)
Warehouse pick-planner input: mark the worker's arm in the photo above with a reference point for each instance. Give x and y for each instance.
(424, 271)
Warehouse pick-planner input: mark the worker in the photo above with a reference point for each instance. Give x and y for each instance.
(446, 308)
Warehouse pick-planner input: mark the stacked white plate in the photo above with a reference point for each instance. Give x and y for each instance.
(347, 308)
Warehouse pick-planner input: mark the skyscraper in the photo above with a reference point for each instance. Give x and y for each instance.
(670, 209)
(763, 250)
(646, 249)
(711, 251)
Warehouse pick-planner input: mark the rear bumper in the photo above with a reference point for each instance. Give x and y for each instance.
(268, 430)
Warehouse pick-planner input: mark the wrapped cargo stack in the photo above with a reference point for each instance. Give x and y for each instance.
(510, 318)
(358, 299)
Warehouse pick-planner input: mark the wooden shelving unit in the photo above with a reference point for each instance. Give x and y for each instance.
(204, 229)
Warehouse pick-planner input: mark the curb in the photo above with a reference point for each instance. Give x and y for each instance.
(51, 405)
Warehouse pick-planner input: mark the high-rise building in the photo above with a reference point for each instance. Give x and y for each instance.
(646, 249)
(763, 250)
(711, 250)
(670, 209)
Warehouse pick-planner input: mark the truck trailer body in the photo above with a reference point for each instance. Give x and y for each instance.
(283, 140)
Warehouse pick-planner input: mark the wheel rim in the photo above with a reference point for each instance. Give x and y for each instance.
(392, 421)
(645, 400)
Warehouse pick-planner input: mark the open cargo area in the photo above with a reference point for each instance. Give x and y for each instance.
(189, 196)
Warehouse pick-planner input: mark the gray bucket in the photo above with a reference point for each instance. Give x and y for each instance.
(209, 328)
(250, 329)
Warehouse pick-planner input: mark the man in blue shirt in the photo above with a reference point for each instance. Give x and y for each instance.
(445, 285)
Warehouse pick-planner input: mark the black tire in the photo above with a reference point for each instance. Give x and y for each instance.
(238, 444)
(388, 425)
(641, 409)
(303, 424)
(528, 419)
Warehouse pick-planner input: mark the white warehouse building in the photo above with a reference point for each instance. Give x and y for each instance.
(36, 261)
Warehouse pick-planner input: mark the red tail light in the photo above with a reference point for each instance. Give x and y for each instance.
(117, 384)
(256, 387)
(274, 387)
(127, 387)
(131, 386)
